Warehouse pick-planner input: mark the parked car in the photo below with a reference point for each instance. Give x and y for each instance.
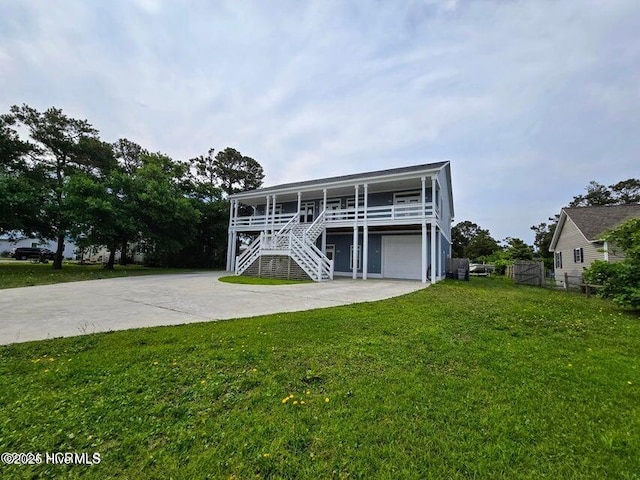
(24, 253)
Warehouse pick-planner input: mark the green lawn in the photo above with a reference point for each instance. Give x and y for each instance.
(460, 380)
(259, 281)
(27, 274)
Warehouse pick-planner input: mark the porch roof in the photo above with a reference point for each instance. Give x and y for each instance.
(342, 179)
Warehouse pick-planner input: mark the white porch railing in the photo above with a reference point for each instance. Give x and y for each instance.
(294, 242)
(246, 258)
(262, 220)
(386, 212)
(316, 228)
(381, 215)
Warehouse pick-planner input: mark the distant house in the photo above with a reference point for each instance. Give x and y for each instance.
(577, 241)
(392, 223)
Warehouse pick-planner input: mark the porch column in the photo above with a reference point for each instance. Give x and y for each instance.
(424, 196)
(266, 215)
(324, 230)
(433, 252)
(299, 202)
(424, 251)
(234, 248)
(354, 270)
(433, 195)
(273, 217)
(365, 235)
(229, 236)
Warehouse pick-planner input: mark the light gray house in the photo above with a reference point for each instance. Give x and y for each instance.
(577, 241)
(399, 221)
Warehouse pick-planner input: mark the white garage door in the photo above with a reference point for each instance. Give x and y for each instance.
(401, 257)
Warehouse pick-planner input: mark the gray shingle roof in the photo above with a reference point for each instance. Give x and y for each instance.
(593, 221)
(365, 175)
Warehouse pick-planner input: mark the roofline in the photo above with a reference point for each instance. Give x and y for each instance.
(345, 180)
(561, 221)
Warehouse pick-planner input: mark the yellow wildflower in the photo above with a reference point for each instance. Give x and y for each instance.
(326, 400)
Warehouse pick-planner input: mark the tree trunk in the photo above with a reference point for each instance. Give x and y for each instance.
(57, 261)
(123, 253)
(112, 258)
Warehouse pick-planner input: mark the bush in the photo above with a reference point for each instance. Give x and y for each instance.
(5, 254)
(620, 281)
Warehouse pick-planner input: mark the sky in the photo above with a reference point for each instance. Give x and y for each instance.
(528, 99)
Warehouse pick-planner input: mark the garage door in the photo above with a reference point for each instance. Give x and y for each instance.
(401, 257)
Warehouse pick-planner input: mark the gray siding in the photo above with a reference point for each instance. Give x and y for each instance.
(343, 244)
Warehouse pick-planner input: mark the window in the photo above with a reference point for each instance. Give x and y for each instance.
(578, 255)
(330, 251)
(359, 259)
(558, 259)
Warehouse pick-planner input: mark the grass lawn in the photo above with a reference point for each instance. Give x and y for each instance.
(259, 281)
(27, 274)
(460, 380)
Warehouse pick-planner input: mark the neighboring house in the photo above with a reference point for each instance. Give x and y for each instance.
(8, 243)
(398, 219)
(577, 241)
(100, 254)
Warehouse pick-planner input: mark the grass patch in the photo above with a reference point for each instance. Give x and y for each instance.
(461, 380)
(259, 281)
(27, 274)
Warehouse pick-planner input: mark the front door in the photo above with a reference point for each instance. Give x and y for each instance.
(406, 200)
(306, 212)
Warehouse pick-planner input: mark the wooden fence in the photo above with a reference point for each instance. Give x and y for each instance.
(458, 268)
(526, 273)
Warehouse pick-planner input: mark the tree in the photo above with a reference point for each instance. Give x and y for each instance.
(128, 154)
(235, 172)
(165, 216)
(517, 249)
(469, 240)
(482, 245)
(621, 193)
(65, 146)
(20, 183)
(627, 191)
(205, 179)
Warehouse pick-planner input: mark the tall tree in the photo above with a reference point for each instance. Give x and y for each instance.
(237, 173)
(544, 234)
(469, 240)
(129, 156)
(626, 191)
(517, 249)
(621, 193)
(66, 146)
(165, 216)
(21, 192)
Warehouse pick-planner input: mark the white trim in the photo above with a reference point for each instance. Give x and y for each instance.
(382, 178)
(423, 251)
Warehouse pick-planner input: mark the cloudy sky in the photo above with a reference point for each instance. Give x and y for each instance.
(529, 100)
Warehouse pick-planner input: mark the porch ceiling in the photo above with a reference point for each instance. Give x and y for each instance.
(341, 191)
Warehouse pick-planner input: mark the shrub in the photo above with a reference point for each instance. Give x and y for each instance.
(620, 281)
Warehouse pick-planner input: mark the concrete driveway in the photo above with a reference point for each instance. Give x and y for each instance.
(68, 309)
